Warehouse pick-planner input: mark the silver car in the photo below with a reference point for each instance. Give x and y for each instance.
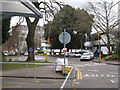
(85, 56)
(71, 54)
(77, 55)
(92, 55)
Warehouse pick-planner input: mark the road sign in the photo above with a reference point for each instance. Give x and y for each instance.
(65, 35)
(42, 48)
(98, 41)
(30, 49)
(64, 51)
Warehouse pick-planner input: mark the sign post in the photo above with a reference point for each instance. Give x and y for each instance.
(64, 38)
(64, 47)
(30, 52)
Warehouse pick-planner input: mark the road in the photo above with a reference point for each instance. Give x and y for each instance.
(94, 75)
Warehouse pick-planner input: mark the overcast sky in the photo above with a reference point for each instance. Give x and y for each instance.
(73, 3)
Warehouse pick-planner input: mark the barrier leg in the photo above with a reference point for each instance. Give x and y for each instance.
(54, 71)
(35, 72)
(26, 70)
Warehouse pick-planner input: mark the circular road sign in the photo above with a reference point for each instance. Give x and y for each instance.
(67, 38)
(30, 49)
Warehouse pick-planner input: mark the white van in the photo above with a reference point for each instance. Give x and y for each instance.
(59, 62)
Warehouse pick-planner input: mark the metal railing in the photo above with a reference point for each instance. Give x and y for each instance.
(71, 73)
(68, 79)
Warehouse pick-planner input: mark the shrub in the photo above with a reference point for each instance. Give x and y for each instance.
(112, 57)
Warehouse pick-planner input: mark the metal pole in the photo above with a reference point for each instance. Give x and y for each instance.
(26, 70)
(64, 48)
(69, 82)
(54, 70)
(48, 44)
(72, 75)
(35, 72)
(81, 46)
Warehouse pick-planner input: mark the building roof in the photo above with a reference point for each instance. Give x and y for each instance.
(16, 8)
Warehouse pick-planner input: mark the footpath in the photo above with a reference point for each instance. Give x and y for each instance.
(45, 78)
(112, 62)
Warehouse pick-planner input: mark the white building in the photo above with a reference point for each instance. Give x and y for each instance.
(94, 43)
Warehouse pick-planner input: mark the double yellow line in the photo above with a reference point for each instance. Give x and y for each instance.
(79, 74)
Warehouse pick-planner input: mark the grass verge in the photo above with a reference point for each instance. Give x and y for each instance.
(21, 66)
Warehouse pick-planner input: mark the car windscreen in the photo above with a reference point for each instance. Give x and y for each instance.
(86, 54)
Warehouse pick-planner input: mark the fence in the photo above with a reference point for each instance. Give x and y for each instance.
(68, 78)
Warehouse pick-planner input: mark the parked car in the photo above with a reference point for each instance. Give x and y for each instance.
(71, 54)
(92, 55)
(26, 53)
(85, 56)
(77, 54)
(67, 54)
(5, 53)
(10, 53)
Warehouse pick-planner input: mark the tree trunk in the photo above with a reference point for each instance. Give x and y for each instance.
(108, 43)
(30, 37)
(30, 44)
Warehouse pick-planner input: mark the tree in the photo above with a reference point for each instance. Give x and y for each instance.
(48, 11)
(5, 29)
(105, 19)
(5, 33)
(72, 20)
(117, 43)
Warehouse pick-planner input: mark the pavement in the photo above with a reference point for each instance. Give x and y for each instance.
(112, 62)
(44, 78)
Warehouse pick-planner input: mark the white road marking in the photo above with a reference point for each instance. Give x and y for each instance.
(92, 75)
(112, 76)
(81, 66)
(93, 70)
(102, 75)
(96, 75)
(114, 73)
(100, 64)
(87, 65)
(112, 81)
(86, 75)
